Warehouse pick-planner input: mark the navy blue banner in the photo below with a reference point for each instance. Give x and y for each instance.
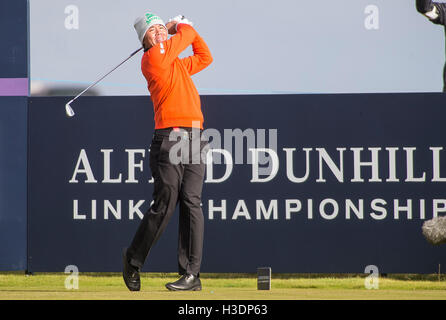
(347, 182)
(13, 182)
(14, 35)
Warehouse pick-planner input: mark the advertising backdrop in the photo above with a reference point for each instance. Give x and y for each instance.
(326, 184)
(13, 181)
(13, 133)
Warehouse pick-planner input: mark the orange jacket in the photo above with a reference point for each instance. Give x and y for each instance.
(175, 99)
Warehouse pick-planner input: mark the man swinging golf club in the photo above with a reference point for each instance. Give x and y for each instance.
(177, 109)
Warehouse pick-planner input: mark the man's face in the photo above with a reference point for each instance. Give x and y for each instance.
(156, 34)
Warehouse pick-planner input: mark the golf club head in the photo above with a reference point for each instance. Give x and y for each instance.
(69, 111)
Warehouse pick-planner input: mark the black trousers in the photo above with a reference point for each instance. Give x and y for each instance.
(175, 181)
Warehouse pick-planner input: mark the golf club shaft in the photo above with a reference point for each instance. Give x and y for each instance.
(93, 84)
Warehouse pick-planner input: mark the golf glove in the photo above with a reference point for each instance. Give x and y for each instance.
(177, 18)
(180, 19)
(184, 20)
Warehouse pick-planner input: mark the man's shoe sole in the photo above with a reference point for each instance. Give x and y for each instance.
(175, 289)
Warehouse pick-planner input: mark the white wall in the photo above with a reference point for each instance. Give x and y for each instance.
(281, 46)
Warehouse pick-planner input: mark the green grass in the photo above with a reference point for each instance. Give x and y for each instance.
(41, 286)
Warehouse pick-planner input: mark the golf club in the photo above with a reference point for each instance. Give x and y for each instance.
(69, 111)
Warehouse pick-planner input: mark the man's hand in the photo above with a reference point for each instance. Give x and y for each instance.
(172, 23)
(171, 27)
(178, 18)
(184, 20)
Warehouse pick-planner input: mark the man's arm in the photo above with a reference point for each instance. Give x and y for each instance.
(436, 12)
(200, 59)
(163, 54)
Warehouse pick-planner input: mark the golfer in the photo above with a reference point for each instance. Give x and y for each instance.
(178, 113)
(436, 13)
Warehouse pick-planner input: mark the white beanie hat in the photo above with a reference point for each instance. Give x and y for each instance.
(143, 23)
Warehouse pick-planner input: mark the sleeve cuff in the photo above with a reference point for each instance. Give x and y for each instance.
(179, 25)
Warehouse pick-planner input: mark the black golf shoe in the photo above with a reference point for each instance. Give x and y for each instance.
(187, 282)
(130, 274)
